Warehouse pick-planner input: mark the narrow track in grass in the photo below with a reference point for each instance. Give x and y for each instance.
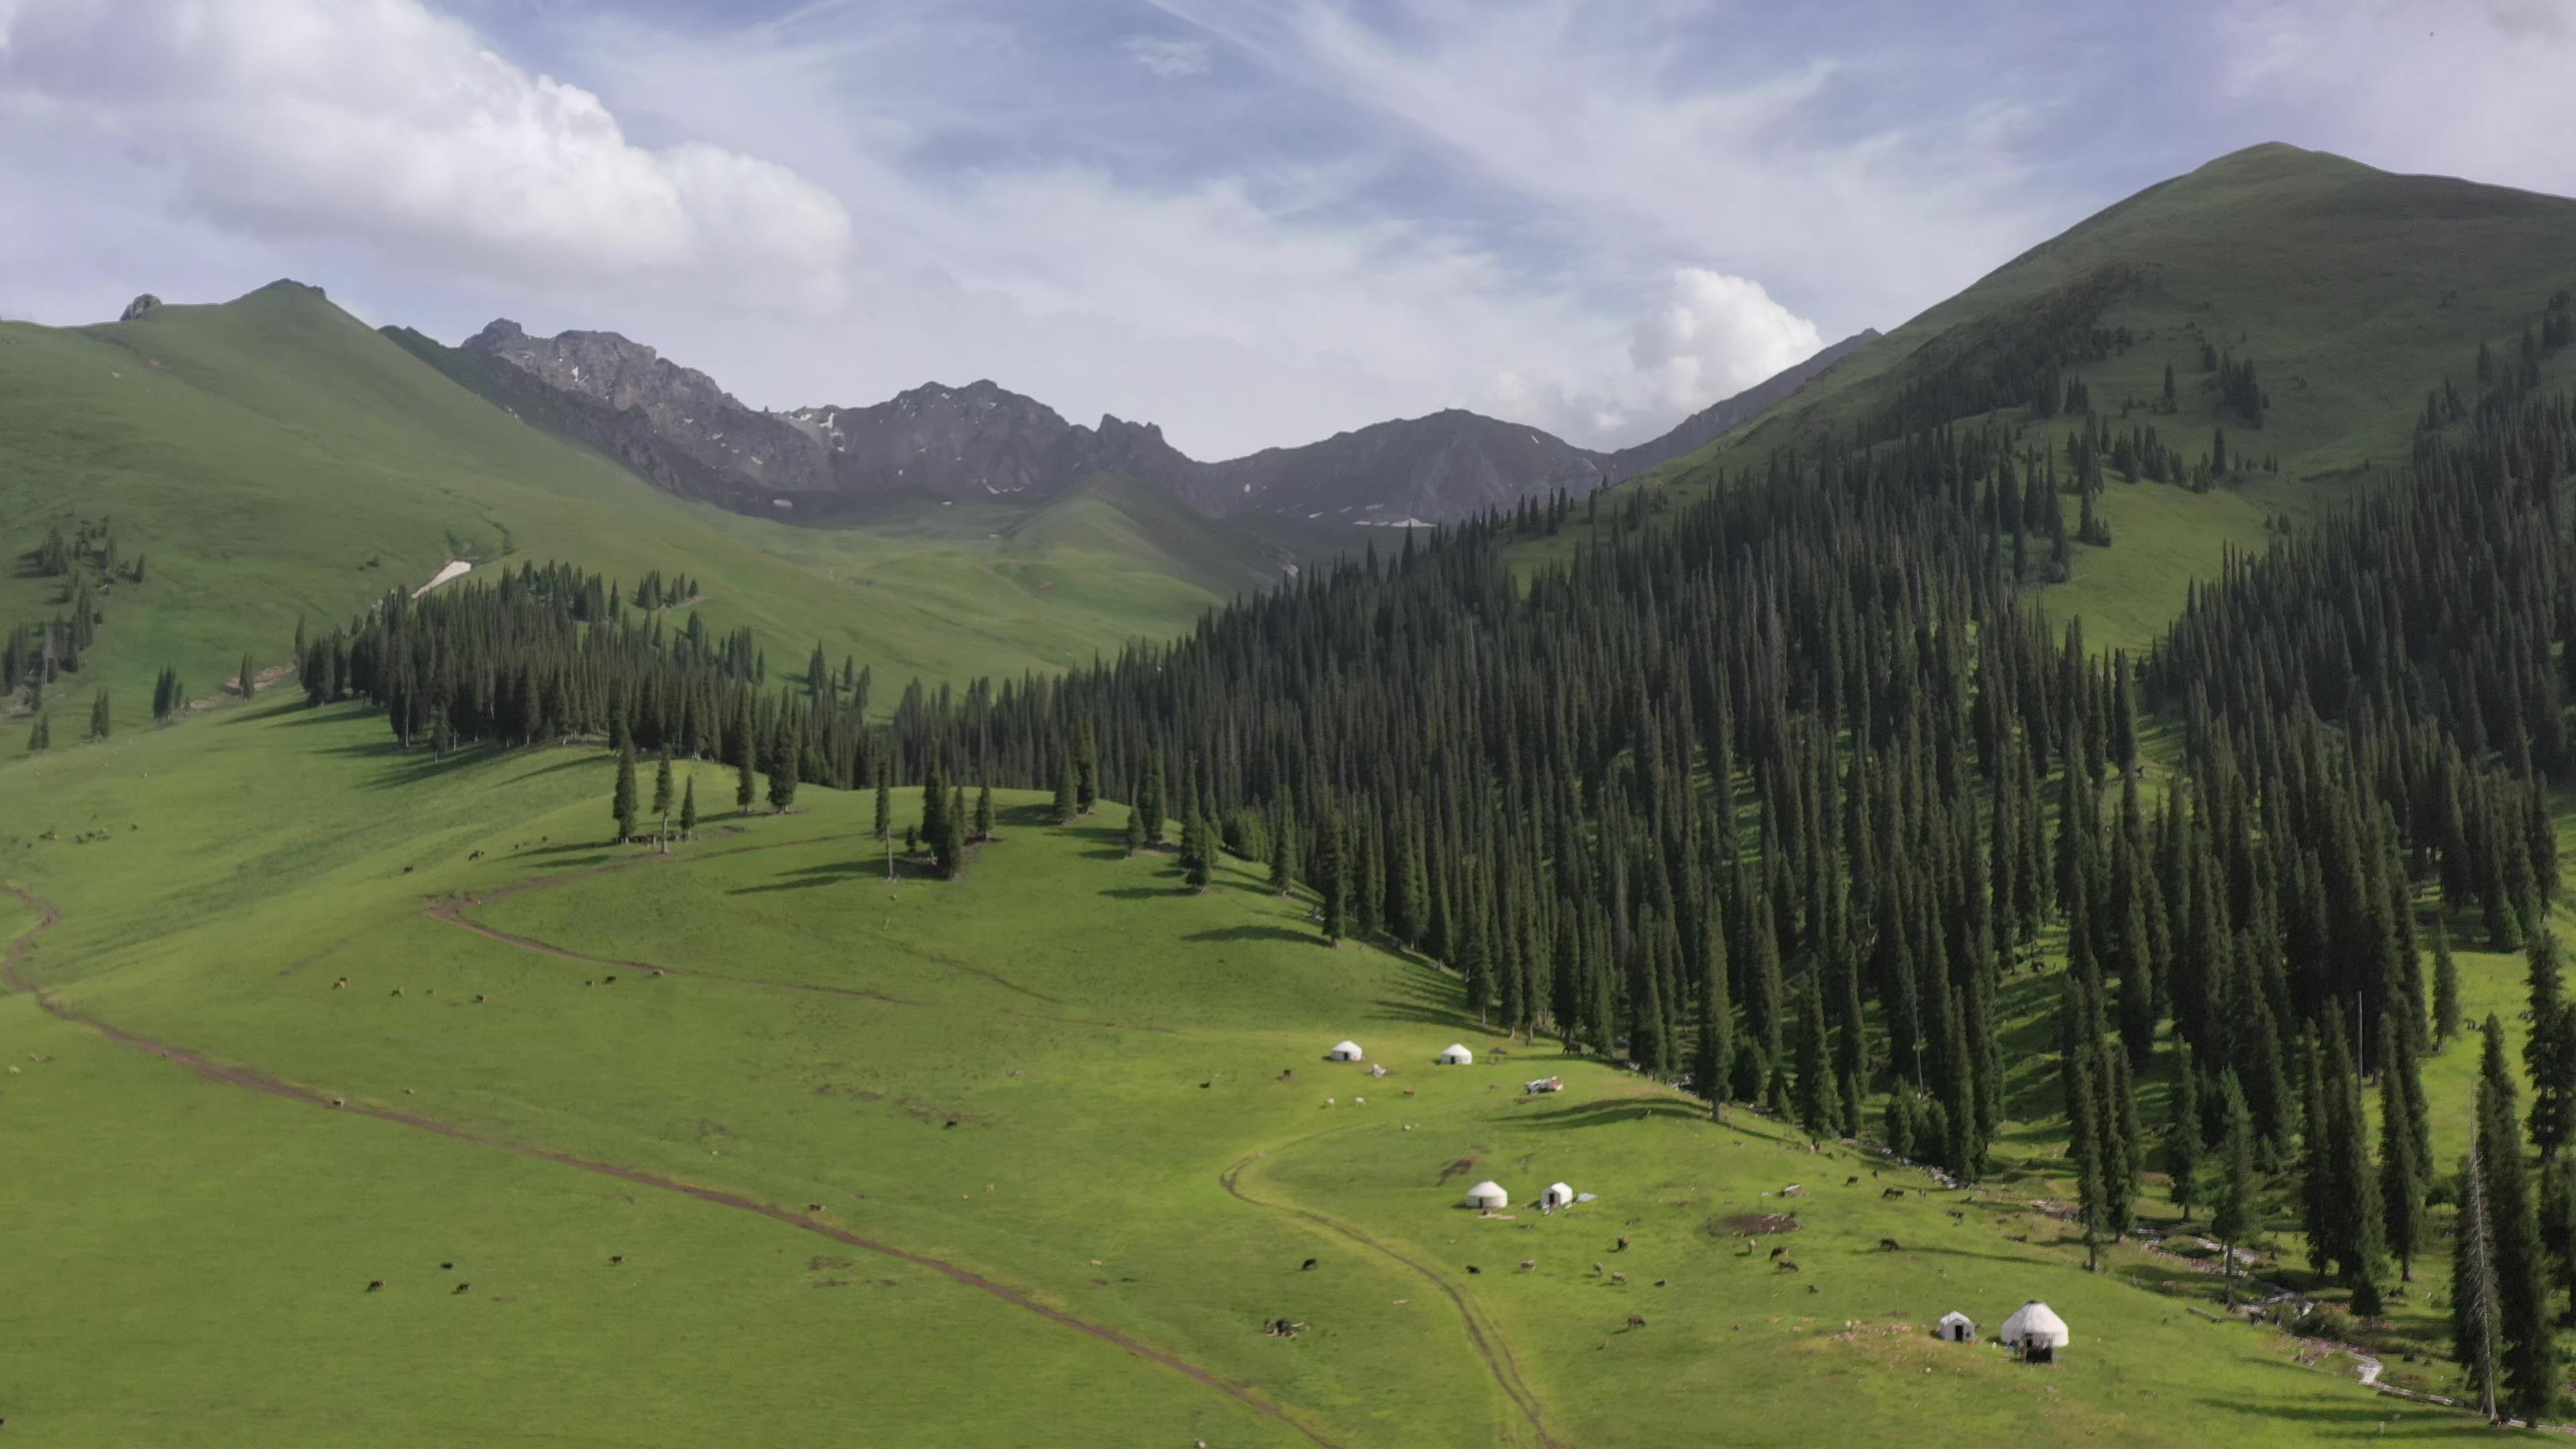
(452, 908)
(231, 1074)
(1486, 1338)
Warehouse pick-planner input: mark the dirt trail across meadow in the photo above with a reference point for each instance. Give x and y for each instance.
(1488, 1343)
(241, 1076)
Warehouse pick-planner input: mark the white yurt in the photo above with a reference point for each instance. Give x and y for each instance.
(1348, 1051)
(1488, 1194)
(1955, 1327)
(1457, 1056)
(2036, 1331)
(1558, 1195)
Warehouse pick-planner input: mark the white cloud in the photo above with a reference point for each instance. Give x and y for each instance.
(378, 122)
(1715, 336)
(2477, 88)
(1167, 58)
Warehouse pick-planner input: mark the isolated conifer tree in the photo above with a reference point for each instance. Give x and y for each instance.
(1063, 808)
(248, 681)
(1818, 1098)
(1198, 852)
(1332, 883)
(934, 803)
(1150, 798)
(1712, 1062)
(2446, 987)
(1283, 843)
(2236, 1215)
(783, 766)
(2476, 1313)
(39, 738)
(744, 789)
(2530, 1357)
(948, 847)
(1086, 780)
(622, 802)
(2084, 1146)
(2182, 1134)
(984, 813)
(689, 810)
(884, 828)
(662, 785)
(2401, 1170)
(98, 717)
(1135, 831)
(2558, 1226)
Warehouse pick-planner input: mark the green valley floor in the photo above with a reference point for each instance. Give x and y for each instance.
(360, 1098)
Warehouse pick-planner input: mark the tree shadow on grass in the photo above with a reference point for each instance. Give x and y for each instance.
(835, 873)
(1615, 1109)
(417, 767)
(295, 705)
(1258, 933)
(1146, 893)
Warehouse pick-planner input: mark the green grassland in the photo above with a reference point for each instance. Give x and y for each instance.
(1099, 1094)
(273, 459)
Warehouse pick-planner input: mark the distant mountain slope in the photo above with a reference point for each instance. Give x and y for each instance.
(682, 431)
(2353, 290)
(272, 458)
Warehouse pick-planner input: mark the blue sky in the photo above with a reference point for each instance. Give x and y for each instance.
(1255, 222)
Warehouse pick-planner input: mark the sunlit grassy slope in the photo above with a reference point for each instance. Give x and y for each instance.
(1066, 1075)
(272, 458)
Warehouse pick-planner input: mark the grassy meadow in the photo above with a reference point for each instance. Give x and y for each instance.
(1029, 1157)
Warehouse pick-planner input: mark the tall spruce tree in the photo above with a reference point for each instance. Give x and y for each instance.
(1332, 878)
(984, 813)
(2182, 1133)
(2401, 1169)
(689, 809)
(2529, 1340)
(1715, 1054)
(1283, 843)
(98, 717)
(1819, 1097)
(247, 681)
(2236, 1214)
(2084, 1149)
(2476, 1307)
(1064, 808)
(2446, 987)
(621, 801)
(883, 829)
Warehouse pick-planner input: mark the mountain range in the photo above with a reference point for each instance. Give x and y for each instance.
(679, 429)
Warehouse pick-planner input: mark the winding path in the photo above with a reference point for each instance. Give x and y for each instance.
(240, 1076)
(1486, 1339)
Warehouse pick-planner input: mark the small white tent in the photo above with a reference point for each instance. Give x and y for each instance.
(1955, 1327)
(1488, 1194)
(1557, 1196)
(1457, 1056)
(1348, 1051)
(2036, 1332)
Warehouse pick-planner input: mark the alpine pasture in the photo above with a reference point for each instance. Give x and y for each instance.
(748, 1139)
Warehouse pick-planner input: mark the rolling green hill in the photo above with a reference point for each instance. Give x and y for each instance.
(273, 458)
(2355, 292)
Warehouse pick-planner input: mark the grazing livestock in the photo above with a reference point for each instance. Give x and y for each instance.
(1636, 1321)
(1623, 1246)
(397, 991)
(1888, 1245)
(1785, 1265)
(480, 998)
(447, 1267)
(1660, 1282)
(813, 1207)
(1891, 1192)
(1619, 1278)
(1529, 1264)
(461, 1287)
(375, 1284)
(1956, 1215)
(1780, 1252)
(1307, 1267)
(1596, 1270)
(1852, 1181)
(1472, 1268)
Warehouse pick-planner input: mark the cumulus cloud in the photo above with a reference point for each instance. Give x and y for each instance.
(379, 122)
(1167, 58)
(1715, 336)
